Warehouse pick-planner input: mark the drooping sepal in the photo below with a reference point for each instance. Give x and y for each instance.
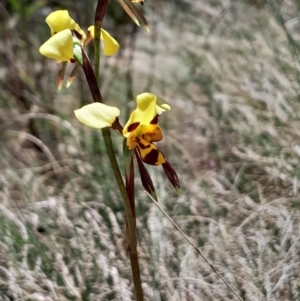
(72, 75)
(145, 177)
(60, 75)
(134, 13)
(129, 12)
(139, 15)
(171, 175)
(97, 115)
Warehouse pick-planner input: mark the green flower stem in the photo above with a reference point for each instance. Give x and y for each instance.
(130, 216)
(129, 211)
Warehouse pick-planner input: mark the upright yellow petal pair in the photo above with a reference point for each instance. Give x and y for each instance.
(61, 20)
(65, 32)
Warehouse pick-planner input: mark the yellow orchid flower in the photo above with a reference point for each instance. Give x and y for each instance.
(60, 22)
(141, 130)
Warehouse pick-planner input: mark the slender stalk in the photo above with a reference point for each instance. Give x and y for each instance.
(130, 217)
(129, 211)
(99, 16)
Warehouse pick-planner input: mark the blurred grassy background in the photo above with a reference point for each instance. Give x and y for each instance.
(230, 70)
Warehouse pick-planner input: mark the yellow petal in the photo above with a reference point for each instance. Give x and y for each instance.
(97, 115)
(162, 106)
(111, 46)
(59, 46)
(144, 113)
(149, 132)
(61, 20)
(91, 31)
(90, 35)
(149, 152)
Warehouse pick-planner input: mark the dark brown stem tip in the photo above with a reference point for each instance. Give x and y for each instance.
(100, 11)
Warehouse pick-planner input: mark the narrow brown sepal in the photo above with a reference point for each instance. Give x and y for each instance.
(60, 75)
(140, 16)
(145, 177)
(72, 75)
(172, 175)
(141, 1)
(129, 12)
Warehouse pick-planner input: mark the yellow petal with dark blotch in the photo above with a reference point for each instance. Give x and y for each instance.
(61, 20)
(131, 141)
(149, 132)
(144, 113)
(149, 152)
(59, 46)
(97, 115)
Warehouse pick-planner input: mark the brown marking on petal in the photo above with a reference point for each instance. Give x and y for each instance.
(154, 135)
(132, 126)
(152, 157)
(141, 145)
(154, 120)
(72, 60)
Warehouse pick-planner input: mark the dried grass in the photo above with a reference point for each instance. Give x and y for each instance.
(230, 70)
